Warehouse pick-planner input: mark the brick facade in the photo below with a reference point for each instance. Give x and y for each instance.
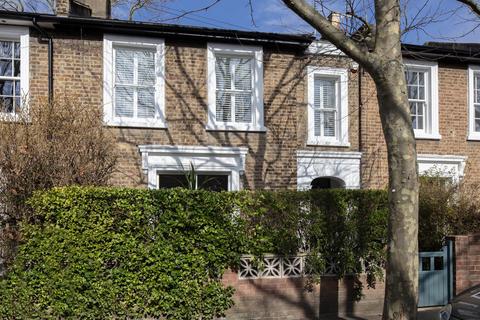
(453, 123)
(271, 162)
(295, 298)
(466, 268)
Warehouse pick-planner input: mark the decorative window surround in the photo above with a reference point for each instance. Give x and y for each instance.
(109, 43)
(451, 166)
(431, 130)
(341, 96)
(22, 34)
(473, 72)
(315, 164)
(159, 158)
(257, 123)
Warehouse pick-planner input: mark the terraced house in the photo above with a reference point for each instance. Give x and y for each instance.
(248, 110)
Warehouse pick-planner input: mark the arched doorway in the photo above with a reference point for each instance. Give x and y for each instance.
(328, 183)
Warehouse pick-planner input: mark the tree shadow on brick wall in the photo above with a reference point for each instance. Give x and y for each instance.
(329, 299)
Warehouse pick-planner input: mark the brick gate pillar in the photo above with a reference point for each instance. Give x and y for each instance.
(466, 263)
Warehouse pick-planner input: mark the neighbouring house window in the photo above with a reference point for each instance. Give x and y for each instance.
(14, 69)
(235, 80)
(417, 98)
(474, 102)
(134, 81)
(10, 95)
(205, 181)
(422, 92)
(327, 106)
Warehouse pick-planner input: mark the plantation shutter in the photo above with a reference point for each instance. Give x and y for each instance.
(124, 81)
(224, 85)
(146, 82)
(135, 82)
(325, 107)
(234, 93)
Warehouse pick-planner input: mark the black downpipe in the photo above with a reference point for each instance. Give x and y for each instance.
(360, 108)
(360, 122)
(49, 39)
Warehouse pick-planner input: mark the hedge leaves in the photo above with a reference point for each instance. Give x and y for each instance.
(103, 253)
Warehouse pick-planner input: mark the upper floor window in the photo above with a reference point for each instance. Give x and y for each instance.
(422, 91)
(134, 81)
(14, 69)
(327, 106)
(474, 102)
(235, 88)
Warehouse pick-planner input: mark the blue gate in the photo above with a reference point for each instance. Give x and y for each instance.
(435, 277)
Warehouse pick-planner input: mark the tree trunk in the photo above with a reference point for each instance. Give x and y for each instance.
(402, 258)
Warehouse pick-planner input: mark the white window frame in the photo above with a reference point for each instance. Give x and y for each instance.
(256, 53)
(472, 70)
(109, 42)
(431, 128)
(341, 124)
(158, 159)
(22, 34)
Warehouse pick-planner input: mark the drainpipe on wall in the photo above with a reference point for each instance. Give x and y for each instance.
(360, 107)
(46, 37)
(360, 124)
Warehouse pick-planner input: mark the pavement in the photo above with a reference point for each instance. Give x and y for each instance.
(423, 314)
(428, 313)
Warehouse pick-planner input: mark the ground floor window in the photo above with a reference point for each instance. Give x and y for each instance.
(328, 183)
(195, 167)
(205, 181)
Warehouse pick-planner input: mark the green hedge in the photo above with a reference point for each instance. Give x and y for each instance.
(104, 253)
(121, 253)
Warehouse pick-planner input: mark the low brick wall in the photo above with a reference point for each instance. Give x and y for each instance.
(466, 266)
(289, 298)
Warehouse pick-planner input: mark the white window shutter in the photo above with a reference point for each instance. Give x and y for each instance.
(233, 89)
(124, 66)
(124, 101)
(146, 67)
(135, 83)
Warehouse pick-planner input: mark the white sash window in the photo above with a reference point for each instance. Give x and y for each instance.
(474, 102)
(235, 88)
(327, 106)
(134, 91)
(422, 92)
(14, 70)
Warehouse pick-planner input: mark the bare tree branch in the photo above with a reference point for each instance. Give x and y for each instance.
(331, 33)
(473, 5)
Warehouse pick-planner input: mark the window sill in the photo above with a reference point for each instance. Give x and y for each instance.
(12, 117)
(235, 127)
(475, 136)
(327, 143)
(154, 124)
(427, 136)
